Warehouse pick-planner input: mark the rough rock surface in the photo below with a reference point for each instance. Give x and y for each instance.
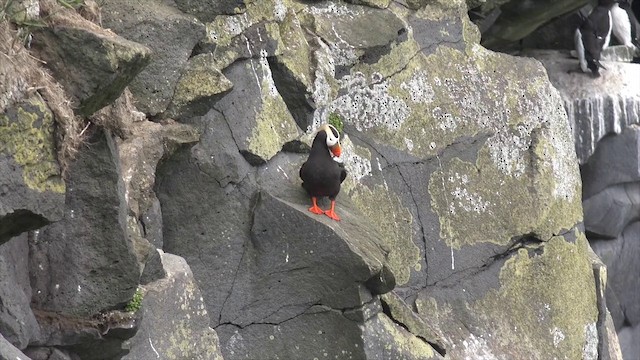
(31, 189)
(171, 36)
(611, 200)
(175, 324)
(461, 232)
(425, 150)
(8, 351)
(518, 19)
(94, 65)
(17, 323)
(85, 263)
(595, 107)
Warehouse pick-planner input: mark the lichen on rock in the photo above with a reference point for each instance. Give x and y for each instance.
(555, 291)
(27, 134)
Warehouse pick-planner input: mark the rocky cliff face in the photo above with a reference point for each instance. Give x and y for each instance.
(461, 233)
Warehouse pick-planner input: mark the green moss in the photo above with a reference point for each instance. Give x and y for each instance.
(393, 222)
(27, 134)
(470, 204)
(336, 121)
(404, 343)
(274, 124)
(136, 302)
(199, 80)
(545, 302)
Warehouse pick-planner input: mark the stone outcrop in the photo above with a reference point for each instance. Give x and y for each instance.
(171, 36)
(175, 323)
(611, 200)
(513, 20)
(595, 107)
(461, 232)
(604, 114)
(93, 65)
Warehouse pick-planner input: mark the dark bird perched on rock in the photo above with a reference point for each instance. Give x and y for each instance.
(321, 175)
(625, 23)
(593, 36)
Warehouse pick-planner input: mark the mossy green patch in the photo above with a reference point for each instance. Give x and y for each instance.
(27, 134)
(200, 80)
(402, 344)
(274, 124)
(393, 222)
(545, 303)
(469, 198)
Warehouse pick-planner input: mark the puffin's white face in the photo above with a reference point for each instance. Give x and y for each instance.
(333, 137)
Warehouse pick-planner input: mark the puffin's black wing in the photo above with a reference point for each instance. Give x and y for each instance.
(343, 173)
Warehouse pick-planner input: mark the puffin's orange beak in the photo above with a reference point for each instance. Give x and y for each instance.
(336, 150)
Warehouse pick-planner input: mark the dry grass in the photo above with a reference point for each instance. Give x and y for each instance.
(28, 75)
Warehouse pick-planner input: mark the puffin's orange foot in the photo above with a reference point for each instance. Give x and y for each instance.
(316, 210)
(332, 214)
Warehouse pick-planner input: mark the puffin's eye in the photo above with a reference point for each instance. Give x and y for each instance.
(331, 140)
(335, 132)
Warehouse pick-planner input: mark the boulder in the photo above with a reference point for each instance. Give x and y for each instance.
(629, 341)
(196, 91)
(8, 351)
(175, 322)
(257, 116)
(620, 255)
(206, 10)
(616, 161)
(17, 323)
(31, 186)
(207, 227)
(463, 184)
(595, 107)
(610, 211)
(92, 338)
(518, 19)
(94, 65)
(170, 34)
(89, 262)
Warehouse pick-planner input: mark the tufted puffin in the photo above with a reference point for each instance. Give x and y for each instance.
(320, 174)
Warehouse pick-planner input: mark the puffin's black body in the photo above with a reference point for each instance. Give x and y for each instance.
(593, 36)
(634, 26)
(321, 175)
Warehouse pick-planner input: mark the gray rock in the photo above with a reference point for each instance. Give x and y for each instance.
(518, 19)
(85, 263)
(8, 351)
(92, 64)
(31, 187)
(615, 161)
(619, 53)
(200, 85)
(350, 39)
(17, 323)
(207, 10)
(257, 116)
(292, 264)
(175, 323)
(170, 34)
(595, 107)
(208, 227)
(49, 353)
(620, 256)
(384, 339)
(88, 338)
(317, 332)
(629, 336)
(607, 213)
